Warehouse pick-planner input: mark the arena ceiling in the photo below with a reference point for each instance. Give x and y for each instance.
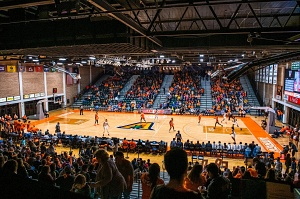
(194, 31)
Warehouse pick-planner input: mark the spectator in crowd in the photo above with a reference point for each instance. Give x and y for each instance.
(45, 176)
(176, 164)
(126, 169)
(194, 179)
(219, 186)
(110, 183)
(80, 186)
(150, 179)
(293, 148)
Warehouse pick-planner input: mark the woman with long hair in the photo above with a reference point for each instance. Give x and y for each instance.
(194, 179)
(150, 180)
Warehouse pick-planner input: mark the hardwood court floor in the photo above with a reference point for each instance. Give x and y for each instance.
(126, 125)
(129, 127)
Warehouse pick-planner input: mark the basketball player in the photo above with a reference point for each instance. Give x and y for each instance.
(96, 119)
(105, 127)
(143, 116)
(156, 116)
(235, 122)
(233, 133)
(217, 122)
(171, 125)
(199, 118)
(224, 118)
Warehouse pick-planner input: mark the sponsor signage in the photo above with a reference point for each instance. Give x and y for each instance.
(160, 111)
(31, 95)
(17, 97)
(2, 68)
(37, 95)
(288, 93)
(26, 96)
(270, 146)
(9, 99)
(294, 100)
(42, 94)
(3, 99)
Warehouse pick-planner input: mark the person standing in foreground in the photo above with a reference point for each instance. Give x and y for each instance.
(110, 183)
(150, 180)
(105, 127)
(176, 164)
(126, 169)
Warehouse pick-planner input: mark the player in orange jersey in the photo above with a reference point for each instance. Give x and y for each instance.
(217, 122)
(171, 123)
(199, 118)
(96, 119)
(143, 117)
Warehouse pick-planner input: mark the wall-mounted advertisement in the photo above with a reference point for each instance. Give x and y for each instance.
(3, 99)
(26, 96)
(31, 95)
(17, 97)
(9, 99)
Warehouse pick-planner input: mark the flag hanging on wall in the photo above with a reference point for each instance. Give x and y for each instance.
(52, 70)
(29, 68)
(2, 68)
(21, 68)
(39, 68)
(46, 69)
(11, 69)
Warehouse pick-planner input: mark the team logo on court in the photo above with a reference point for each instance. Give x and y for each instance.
(139, 126)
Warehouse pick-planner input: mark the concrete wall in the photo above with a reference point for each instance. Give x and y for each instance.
(9, 84)
(33, 82)
(54, 80)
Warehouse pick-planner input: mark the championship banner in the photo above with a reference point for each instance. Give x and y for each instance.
(29, 68)
(39, 69)
(11, 69)
(2, 68)
(21, 68)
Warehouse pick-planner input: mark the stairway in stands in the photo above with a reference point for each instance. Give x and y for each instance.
(162, 97)
(78, 103)
(127, 87)
(250, 93)
(137, 186)
(205, 100)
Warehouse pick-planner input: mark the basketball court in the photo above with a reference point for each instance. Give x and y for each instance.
(128, 125)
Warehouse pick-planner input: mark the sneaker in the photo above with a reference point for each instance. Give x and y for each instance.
(103, 135)
(108, 134)
(241, 129)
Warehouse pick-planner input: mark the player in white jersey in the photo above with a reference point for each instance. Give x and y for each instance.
(156, 115)
(105, 127)
(224, 117)
(236, 123)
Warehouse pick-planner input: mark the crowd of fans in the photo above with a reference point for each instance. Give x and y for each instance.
(228, 97)
(145, 89)
(184, 93)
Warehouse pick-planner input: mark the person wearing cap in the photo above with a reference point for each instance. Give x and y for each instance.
(126, 169)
